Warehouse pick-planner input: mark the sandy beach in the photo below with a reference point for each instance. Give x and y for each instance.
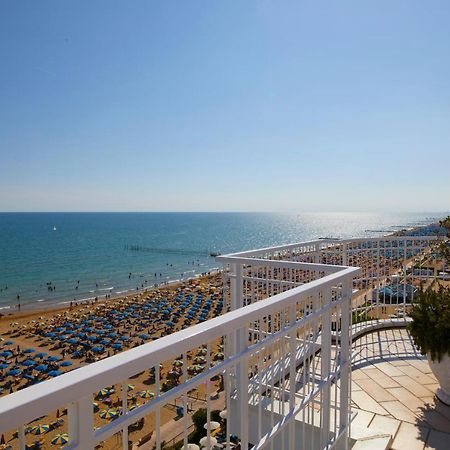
(41, 344)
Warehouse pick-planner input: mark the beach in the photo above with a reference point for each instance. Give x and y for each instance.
(42, 344)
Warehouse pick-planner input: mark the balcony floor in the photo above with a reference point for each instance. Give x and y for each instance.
(393, 391)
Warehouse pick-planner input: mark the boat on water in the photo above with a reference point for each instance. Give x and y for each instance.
(54, 228)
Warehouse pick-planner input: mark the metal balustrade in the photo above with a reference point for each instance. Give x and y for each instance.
(387, 263)
(284, 377)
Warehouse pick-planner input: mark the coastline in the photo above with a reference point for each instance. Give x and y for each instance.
(32, 310)
(87, 257)
(35, 309)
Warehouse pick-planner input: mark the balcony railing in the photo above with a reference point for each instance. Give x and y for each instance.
(283, 379)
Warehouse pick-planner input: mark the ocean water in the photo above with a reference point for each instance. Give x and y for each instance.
(53, 258)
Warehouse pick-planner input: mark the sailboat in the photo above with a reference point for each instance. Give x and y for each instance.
(54, 228)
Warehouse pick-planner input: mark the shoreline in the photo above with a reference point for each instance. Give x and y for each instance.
(28, 311)
(39, 307)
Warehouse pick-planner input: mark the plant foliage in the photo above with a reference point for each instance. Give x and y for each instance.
(430, 327)
(444, 248)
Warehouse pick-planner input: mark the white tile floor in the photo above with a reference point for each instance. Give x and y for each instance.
(393, 391)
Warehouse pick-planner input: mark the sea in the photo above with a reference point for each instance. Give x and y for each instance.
(51, 259)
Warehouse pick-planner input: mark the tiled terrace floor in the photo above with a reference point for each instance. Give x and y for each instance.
(393, 391)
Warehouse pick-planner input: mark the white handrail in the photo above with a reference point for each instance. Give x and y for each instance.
(23, 406)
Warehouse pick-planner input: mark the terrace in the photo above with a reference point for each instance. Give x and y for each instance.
(300, 319)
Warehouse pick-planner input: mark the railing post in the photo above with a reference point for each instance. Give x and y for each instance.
(344, 254)
(81, 424)
(236, 287)
(292, 373)
(325, 369)
(242, 368)
(124, 411)
(21, 435)
(345, 370)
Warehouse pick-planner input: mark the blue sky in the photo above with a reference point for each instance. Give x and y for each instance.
(225, 105)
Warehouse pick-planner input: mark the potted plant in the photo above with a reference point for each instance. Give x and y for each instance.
(430, 329)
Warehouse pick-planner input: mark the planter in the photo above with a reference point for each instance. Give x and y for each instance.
(441, 371)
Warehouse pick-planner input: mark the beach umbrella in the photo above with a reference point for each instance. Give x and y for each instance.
(6, 354)
(29, 350)
(66, 363)
(73, 340)
(144, 336)
(60, 439)
(9, 342)
(54, 373)
(97, 349)
(212, 425)
(95, 406)
(204, 441)
(103, 392)
(92, 338)
(40, 354)
(53, 358)
(146, 394)
(28, 362)
(190, 447)
(178, 363)
(40, 429)
(223, 414)
(41, 368)
(14, 372)
(124, 338)
(130, 387)
(109, 413)
(3, 366)
(116, 346)
(199, 360)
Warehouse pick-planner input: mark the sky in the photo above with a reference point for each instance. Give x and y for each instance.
(225, 105)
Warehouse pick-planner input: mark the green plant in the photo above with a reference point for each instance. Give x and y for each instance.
(199, 420)
(443, 248)
(430, 327)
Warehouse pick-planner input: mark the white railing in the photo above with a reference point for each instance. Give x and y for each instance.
(387, 284)
(272, 374)
(284, 377)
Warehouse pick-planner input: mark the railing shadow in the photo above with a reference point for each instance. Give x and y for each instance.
(432, 417)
